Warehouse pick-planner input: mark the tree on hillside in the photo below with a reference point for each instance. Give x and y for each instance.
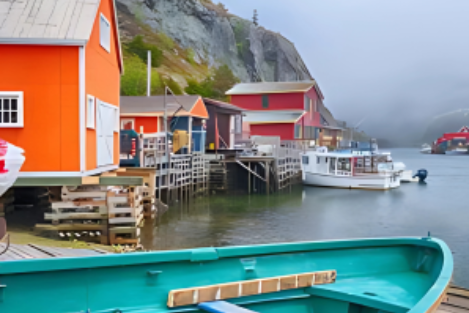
(213, 86)
(140, 48)
(223, 80)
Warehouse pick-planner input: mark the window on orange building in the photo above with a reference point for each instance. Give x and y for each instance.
(11, 109)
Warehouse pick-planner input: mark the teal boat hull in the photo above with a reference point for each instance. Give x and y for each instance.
(373, 275)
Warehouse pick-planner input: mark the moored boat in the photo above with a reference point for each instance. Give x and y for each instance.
(426, 149)
(11, 160)
(341, 170)
(366, 275)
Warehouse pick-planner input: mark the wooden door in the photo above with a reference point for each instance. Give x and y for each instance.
(105, 125)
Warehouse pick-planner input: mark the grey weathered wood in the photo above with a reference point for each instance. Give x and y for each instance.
(56, 18)
(74, 20)
(43, 19)
(65, 24)
(87, 17)
(22, 20)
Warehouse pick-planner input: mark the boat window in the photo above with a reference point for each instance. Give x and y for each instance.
(305, 159)
(318, 160)
(344, 165)
(332, 165)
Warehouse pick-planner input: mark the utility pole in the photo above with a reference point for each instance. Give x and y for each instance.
(149, 74)
(255, 18)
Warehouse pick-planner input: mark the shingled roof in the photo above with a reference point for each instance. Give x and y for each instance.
(47, 19)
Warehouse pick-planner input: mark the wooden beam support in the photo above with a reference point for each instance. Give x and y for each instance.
(251, 171)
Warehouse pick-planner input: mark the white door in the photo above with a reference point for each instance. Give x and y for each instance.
(105, 125)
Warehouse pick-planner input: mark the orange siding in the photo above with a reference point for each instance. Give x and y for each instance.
(199, 109)
(149, 123)
(102, 78)
(48, 76)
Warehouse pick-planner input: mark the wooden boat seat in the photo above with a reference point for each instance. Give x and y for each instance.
(196, 295)
(222, 307)
(391, 292)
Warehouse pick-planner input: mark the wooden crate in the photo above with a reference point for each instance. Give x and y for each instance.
(124, 235)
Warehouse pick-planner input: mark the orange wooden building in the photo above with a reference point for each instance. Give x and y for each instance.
(60, 65)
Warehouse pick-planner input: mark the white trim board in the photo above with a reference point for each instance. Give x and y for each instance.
(70, 174)
(82, 107)
(42, 42)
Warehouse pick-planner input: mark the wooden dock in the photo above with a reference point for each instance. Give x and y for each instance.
(31, 251)
(456, 301)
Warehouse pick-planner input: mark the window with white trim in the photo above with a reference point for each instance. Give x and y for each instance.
(127, 124)
(105, 33)
(90, 112)
(11, 109)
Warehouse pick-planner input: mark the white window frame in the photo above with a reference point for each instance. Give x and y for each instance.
(127, 120)
(20, 109)
(105, 45)
(91, 112)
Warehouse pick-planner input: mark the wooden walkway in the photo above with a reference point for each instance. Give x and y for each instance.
(31, 251)
(457, 301)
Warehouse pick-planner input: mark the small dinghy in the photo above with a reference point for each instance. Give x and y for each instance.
(11, 160)
(367, 275)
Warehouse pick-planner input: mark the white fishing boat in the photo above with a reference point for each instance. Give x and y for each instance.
(426, 149)
(11, 160)
(341, 170)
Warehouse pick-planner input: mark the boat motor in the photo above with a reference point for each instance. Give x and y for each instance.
(421, 174)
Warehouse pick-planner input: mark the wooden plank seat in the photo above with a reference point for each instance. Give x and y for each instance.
(196, 295)
(222, 307)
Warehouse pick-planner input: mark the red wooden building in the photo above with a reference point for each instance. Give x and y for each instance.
(291, 110)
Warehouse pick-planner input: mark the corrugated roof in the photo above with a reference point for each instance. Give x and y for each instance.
(272, 117)
(224, 105)
(271, 87)
(47, 19)
(154, 105)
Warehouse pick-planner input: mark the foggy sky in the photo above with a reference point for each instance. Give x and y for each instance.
(399, 62)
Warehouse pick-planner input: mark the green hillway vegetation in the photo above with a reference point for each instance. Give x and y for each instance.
(169, 59)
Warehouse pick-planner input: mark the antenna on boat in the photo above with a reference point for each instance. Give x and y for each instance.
(356, 127)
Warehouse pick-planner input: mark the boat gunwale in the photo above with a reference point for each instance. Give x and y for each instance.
(110, 260)
(426, 304)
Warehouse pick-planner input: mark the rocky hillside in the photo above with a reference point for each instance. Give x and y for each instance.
(197, 36)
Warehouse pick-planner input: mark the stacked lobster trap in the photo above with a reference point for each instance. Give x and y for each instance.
(95, 213)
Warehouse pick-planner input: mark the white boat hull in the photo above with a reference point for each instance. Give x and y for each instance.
(426, 151)
(370, 181)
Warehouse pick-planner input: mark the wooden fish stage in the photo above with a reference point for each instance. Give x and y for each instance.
(367, 275)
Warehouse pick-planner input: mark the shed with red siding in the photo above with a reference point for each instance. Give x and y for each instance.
(291, 110)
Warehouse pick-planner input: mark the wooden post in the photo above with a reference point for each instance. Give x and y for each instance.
(249, 178)
(267, 176)
(189, 150)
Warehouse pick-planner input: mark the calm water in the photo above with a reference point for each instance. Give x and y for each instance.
(308, 213)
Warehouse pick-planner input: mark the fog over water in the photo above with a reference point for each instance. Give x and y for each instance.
(398, 62)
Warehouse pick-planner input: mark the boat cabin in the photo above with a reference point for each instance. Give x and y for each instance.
(331, 164)
(341, 164)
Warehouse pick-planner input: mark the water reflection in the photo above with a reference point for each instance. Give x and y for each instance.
(321, 213)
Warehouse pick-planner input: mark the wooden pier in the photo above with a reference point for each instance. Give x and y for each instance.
(456, 301)
(20, 252)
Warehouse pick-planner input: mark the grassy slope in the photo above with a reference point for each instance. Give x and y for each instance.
(177, 62)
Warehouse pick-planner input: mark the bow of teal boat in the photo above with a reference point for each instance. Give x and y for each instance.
(367, 275)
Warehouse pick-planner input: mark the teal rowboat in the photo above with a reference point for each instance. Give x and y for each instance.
(351, 276)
